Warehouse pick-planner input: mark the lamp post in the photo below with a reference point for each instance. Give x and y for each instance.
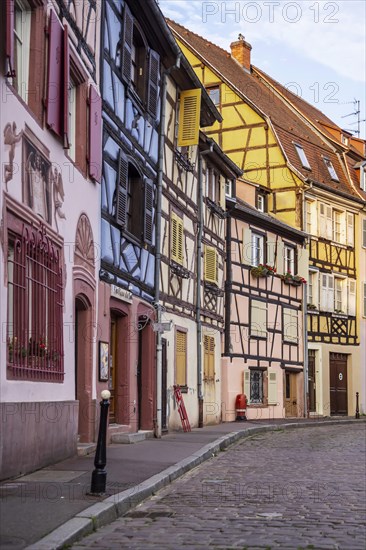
(99, 475)
(357, 406)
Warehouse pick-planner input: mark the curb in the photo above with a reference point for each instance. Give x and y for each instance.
(102, 513)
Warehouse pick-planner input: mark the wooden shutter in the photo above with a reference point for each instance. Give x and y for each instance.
(246, 387)
(271, 246)
(351, 297)
(247, 246)
(313, 218)
(272, 388)
(290, 324)
(153, 83)
(176, 238)
(66, 86)
(9, 46)
(329, 223)
(211, 264)
(209, 357)
(222, 192)
(322, 219)
(258, 319)
(127, 44)
(350, 229)
(280, 260)
(181, 358)
(330, 293)
(149, 210)
(55, 90)
(324, 292)
(121, 189)
(95, 135)
(303, 262)
(189, 117)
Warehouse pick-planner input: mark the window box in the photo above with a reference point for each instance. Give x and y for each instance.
(262, 271)
(213, 289)
(294, 280)
(179, 270)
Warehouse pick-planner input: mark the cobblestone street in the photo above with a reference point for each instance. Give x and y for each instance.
(294, 489)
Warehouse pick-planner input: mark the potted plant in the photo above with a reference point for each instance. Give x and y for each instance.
(262, 270)
(311, 307)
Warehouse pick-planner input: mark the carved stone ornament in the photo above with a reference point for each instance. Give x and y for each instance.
(58, 195)
(84, 244)
(11, 138)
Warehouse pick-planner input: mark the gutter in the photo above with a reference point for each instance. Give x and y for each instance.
(199, 282)
(159, 356)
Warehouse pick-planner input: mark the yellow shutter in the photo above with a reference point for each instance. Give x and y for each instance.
(272, 388)
(209, 357)
(211, 265)
(189, 117)
(176, 238)
(181, 358)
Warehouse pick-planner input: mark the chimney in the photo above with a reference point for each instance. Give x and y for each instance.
(240, 50)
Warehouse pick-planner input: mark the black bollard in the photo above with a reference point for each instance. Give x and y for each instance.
(99, 475)
(357, 407)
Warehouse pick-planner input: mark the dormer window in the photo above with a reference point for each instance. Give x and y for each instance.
(363, 177)
(303, 158)
(331, 170)
(344, 139)
(261, 202)
(214, 93)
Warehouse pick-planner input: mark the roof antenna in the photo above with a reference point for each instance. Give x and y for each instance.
(357, 112)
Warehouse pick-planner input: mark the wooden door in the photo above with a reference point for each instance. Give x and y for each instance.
(113, 370)
(164, 403)
(338, 384)
(290, 394)
(311, 381)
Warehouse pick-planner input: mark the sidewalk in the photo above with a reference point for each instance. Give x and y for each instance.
(55, 498)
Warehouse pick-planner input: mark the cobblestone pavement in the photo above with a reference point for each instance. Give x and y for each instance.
(289, 489)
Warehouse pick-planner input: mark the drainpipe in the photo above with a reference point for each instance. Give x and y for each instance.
(159, 192)
(305, 323)
(199, 281)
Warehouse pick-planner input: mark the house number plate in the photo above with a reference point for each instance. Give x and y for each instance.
(340, 376)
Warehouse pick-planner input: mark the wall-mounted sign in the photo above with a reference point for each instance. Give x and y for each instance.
(121, 294)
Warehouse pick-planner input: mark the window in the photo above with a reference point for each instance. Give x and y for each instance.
(344, 139)
(214, 93)
(256, 386)
(258, 319)
(327, 292)
(134, 201)
(176, 248)
(209, 358)
(289, 256)
(22, 26)
(325, 221)
(228, 188)
(304, 161)
(290, 325)
(181, 358)
(363, 177)
(340, 295)
(140, 65)
(35, 302)
(211, 265)
(313, 289)
(257, 253)
(337, 219)
(261, 202)
(212, 185)
(331, 170)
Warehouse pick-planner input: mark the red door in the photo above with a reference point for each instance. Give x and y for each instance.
(338, 384)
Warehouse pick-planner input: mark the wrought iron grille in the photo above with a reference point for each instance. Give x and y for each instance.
(256, 386)
(35, 302)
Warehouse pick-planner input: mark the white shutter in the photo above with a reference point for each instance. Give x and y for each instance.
(313, 219)
(364, 233)
(344, 296)
(344, 227)
(330, 293)
(258, 320)
(322, 218)
(303, 262)
(350, 229)
(324, 292)
(280, 261)
(272, 388)
(351, 297)
(290, 322)
(271, 246)
(329, 223)
(246, 388)
(247, 246)
(316, 288)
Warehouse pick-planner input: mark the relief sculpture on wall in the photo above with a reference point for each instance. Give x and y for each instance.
(10, 138)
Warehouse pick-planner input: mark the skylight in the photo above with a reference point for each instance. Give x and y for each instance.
(331, 170)
(304, 161)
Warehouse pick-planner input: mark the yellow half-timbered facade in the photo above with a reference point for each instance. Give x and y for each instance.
(301, 175)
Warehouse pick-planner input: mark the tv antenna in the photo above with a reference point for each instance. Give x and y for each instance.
(356, 112)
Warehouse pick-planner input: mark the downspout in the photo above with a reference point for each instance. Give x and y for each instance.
(159, 192)
(305, 322)
(199, 282)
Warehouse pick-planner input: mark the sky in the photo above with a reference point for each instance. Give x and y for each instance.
(315, 48)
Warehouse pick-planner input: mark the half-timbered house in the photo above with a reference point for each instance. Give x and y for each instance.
(50, 151)
(302, 175)
(146, 84)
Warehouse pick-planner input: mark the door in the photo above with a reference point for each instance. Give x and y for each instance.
(311, 381)
(113, 369)
(338, 384)
(164, 426)
(290, 394)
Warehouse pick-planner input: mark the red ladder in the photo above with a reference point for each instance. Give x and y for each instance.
(181, 409)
